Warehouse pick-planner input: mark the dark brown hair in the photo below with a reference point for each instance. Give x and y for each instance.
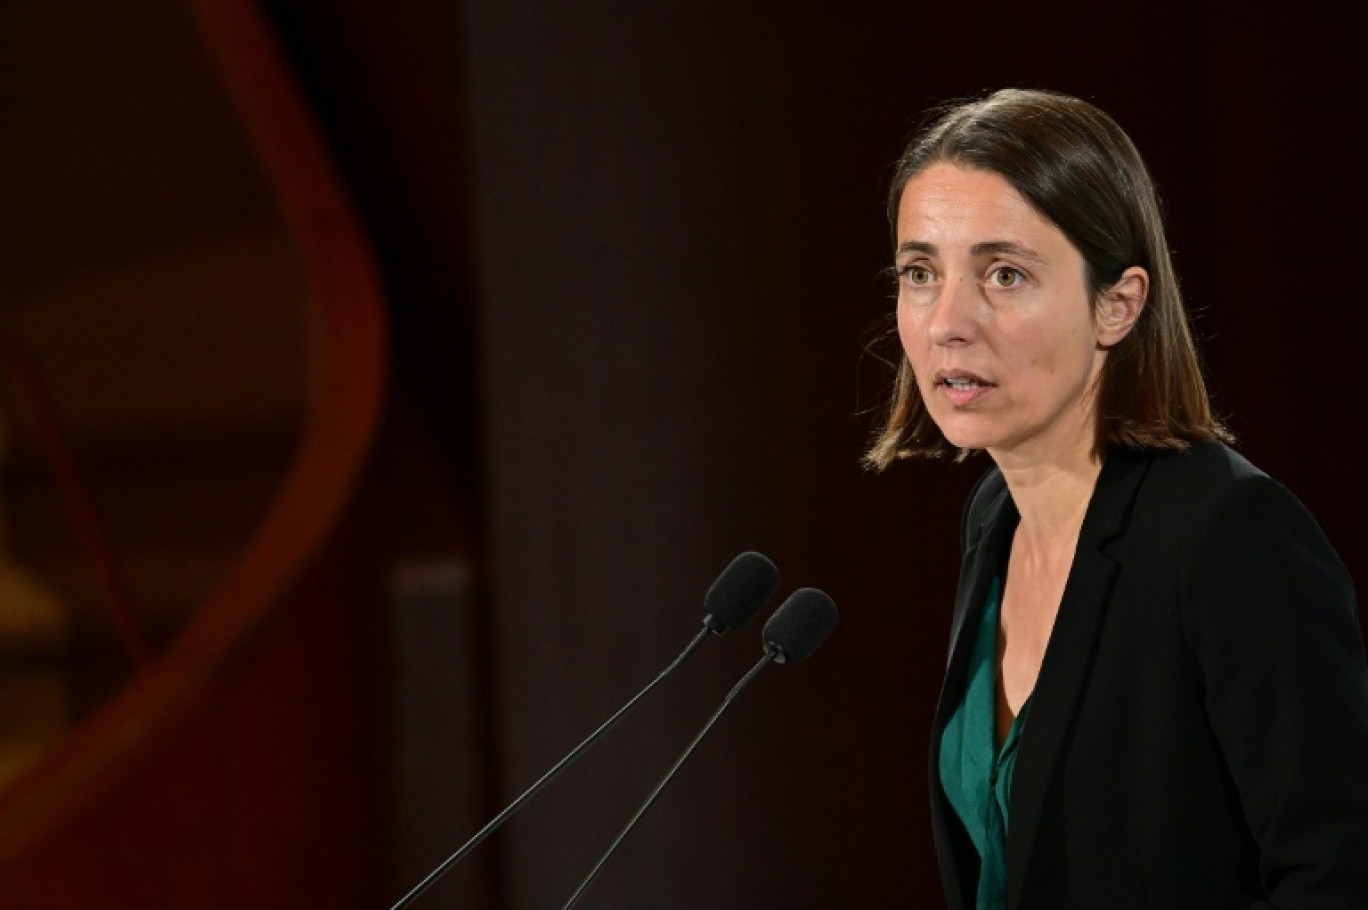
(1077, 168)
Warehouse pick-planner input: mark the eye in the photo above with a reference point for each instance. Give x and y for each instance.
(915, 275)
(1004, 276)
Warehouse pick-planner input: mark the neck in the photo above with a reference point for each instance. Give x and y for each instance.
(1051, 494)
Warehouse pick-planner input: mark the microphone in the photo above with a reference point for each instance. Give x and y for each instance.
(737, 594)
(795, 630)
(744, 586)
(800, 626)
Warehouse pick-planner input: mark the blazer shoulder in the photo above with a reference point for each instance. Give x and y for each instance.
(1203, 477)
(1241, 523)
(1206, 465)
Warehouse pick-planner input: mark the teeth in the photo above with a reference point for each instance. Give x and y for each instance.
(962, 385)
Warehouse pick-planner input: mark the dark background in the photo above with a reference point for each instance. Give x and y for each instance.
(633, 256)
(635, 253)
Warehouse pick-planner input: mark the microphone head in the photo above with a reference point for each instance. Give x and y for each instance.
(739, 592)
(800, 625)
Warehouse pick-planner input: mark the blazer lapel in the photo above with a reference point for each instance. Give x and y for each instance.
(983, 559)
(1068, 657)
(985, 555)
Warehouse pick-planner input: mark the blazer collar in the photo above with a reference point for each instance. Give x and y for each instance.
(1068, 657)
(989, 541)
(985, 556)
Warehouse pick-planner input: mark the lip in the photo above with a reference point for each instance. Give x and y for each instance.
(962, 397)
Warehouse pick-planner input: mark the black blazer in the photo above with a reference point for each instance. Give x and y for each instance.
(1198, 734)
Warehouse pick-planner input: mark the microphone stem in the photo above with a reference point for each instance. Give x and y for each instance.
(549, 776)
(770, 655)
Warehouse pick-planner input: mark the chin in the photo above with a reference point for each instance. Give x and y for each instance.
(965, 442)
(966, 437)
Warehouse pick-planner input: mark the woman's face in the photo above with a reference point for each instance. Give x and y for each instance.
(994, 316)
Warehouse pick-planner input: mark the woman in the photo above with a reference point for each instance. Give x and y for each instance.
(1157, 693)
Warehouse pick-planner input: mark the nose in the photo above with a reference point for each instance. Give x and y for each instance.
(953, 319)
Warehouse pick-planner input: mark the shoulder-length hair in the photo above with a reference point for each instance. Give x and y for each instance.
(1082, 173)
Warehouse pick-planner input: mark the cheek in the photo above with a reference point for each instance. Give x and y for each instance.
(909, 333)
(1053, 345)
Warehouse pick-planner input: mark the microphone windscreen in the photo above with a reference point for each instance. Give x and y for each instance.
(801, 625)
(740, 591)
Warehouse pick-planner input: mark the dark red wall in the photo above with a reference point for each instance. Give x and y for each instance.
(635, 249)
(270, 795)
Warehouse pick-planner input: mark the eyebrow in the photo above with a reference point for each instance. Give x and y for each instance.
(987, 248)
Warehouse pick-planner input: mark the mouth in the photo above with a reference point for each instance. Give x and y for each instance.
(962, 384)
(961, 380)
(961, 387)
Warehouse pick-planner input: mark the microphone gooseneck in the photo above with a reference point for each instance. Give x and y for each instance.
(736, 595)
(795, 630)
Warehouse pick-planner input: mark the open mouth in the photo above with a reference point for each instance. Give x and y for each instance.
(961, 380)
(963, 383)
(963, 388)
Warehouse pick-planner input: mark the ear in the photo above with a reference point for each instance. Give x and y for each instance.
(1119, 306)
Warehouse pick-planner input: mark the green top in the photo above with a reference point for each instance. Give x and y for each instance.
(975, 773)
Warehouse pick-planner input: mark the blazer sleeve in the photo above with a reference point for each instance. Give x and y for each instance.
(1270, 617)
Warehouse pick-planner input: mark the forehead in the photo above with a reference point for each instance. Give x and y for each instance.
(946, 205)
